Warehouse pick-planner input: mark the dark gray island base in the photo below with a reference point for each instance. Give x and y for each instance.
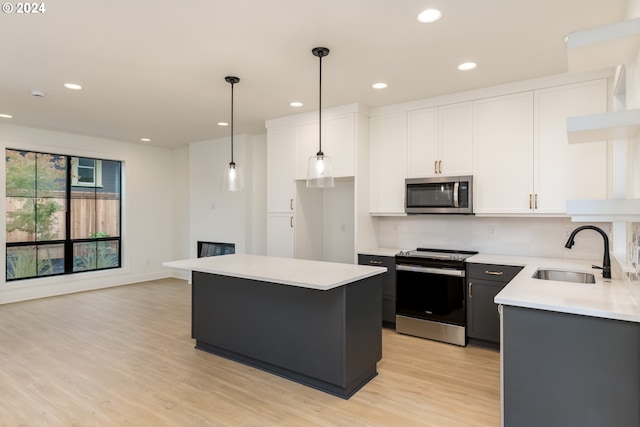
(330, 340)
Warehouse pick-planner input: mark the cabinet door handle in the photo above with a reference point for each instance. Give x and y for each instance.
(494, 273)
(435, 166)
(470, 292)
(535, 201)
(291, 222)
(530, 201)
(291, 204)
(439, 166)
(372, 262)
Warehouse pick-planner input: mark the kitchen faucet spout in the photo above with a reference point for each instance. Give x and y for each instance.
(606, 261)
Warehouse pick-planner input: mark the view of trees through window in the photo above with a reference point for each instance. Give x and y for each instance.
(63, 214)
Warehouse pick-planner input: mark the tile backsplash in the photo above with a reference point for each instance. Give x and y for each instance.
(525, 236)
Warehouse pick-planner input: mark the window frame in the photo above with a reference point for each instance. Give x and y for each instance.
(109, 247)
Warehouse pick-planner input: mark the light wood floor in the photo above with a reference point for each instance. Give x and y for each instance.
(124, 356)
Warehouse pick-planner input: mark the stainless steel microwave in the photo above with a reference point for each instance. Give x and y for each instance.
(439, 195)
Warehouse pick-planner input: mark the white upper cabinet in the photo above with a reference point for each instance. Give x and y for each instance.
(456, 139)
(304, 223)
(503, 154)
(388, 161)
(338, 142)
(524, 163)
(511, 139)
(566, 171)
(422, 143)
(440, 141)
(280, 169)
(306, 145)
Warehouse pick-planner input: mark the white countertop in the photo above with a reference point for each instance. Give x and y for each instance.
(611, 299)
(390, 252)
(319, 275)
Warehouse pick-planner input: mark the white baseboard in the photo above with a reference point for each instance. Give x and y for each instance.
(60, 285)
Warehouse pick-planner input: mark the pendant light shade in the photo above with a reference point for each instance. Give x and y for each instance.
(232, 180)
(319, 173)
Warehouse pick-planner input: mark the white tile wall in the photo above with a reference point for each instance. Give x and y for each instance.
(530, 236)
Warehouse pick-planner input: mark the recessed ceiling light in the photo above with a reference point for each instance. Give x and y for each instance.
(73, 86)
(223, 124)
(6, 116)
(379, 85)
(428, 16)
(296, 104)
(466, 66)
(145, 140)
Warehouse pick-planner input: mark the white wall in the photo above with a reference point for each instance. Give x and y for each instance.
(147, 223)
(221, 216)
(180, 206)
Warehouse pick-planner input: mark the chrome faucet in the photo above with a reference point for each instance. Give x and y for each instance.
(606, 262)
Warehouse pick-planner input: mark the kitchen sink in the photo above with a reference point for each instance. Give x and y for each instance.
(564, 276)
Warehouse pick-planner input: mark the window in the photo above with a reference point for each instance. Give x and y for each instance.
(63, 214)
(86, 172)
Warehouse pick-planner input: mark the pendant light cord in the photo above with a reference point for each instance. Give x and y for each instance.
(232, 83)
(320, 52)
(232, 80)
(320, 153)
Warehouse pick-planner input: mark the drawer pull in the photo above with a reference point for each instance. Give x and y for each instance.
(372, 262)
(494, 273)
(470, 293)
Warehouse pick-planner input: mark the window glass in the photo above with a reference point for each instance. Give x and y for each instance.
(51, 218)
(22, 262)
(96, 255)
(86, 172)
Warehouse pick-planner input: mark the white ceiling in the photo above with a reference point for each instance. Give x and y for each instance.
(156, 68)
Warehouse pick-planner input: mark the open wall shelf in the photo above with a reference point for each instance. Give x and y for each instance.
(609, 210)
(603, 126)
(604, 46)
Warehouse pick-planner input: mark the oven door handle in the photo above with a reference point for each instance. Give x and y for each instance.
(440, 271)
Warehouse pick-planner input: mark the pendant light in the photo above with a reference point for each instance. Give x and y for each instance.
(319, 169)
(233, 175)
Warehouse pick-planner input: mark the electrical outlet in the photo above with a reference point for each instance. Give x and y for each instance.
(492, 231)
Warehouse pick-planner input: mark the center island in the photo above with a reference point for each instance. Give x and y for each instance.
(314, 322)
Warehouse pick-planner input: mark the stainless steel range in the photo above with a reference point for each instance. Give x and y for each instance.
(430, 297)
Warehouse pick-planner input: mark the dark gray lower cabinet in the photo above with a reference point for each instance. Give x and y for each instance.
(484, 282)
(388, 285)
(569, 370)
